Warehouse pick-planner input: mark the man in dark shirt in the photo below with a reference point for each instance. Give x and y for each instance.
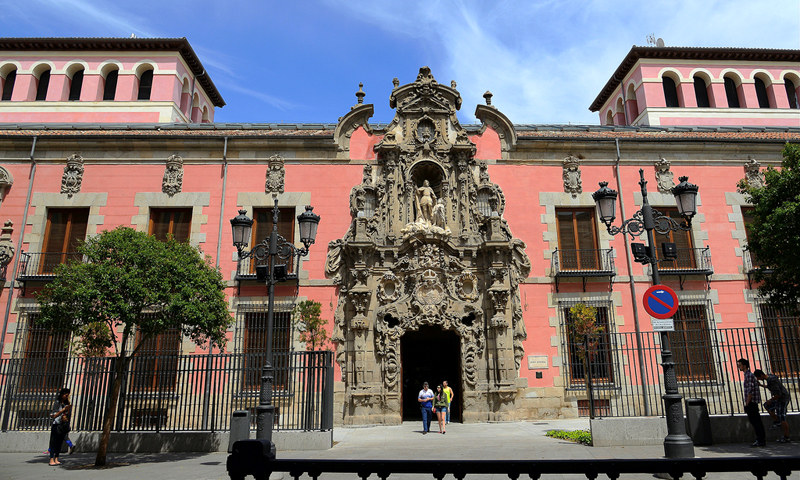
(777, 404)
(752, 398)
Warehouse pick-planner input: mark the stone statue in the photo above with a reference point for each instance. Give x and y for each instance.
(439, 214)
(425, 202)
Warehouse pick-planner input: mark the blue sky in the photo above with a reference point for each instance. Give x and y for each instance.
(302, 61)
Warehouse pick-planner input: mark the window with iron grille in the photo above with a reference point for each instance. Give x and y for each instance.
(782, 335)
(601, 363)
(44, 358)
(690, 344)
(253, 341)
(577, 239)
(171, 221)
(682, 240)
(66, 228)
(155, 365)
(262, 228)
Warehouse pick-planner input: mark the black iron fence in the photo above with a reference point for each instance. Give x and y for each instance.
(586, 260)
(627, 378)
(43, 265)
(169, 392)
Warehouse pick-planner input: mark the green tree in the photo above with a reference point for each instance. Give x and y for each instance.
(774, 235)
(307, 319)
(585, 336)
(130, 282)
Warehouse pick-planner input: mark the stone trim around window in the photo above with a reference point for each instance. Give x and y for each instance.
(40, 202)
(197, 200)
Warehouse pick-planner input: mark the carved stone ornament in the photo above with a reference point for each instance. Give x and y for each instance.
(6, 179)
(276, 174)
(423, 256)
(6, 245)
(73, 175)
(664, 176)
(752, 173)
(173, 176)
(572, 176)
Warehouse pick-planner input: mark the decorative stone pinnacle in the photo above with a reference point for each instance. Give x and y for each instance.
(488, 96)
(395, 82)
(360, 94)
(453, 84)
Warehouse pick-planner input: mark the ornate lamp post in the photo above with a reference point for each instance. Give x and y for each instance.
(271, 249)
(676, 444)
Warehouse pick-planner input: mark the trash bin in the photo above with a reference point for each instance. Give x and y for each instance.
(698, 423)
(240, 428)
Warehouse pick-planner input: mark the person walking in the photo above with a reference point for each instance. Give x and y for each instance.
(777, 404)
(440, 407)
(449, 392)
(60, 427)
(425, 399)
(752, 399)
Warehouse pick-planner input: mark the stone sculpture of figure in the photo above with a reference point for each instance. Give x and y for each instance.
(439, 215)
(425, 202)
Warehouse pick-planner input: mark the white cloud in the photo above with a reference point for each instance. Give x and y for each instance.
(276, 102)
(92, 16)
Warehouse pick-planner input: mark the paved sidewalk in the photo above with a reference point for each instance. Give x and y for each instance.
(495, 441)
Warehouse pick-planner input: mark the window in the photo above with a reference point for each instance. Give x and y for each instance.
(254, 347)
(782, 336)
(670, 92)
(75, 86)
(44, 363)
(731, 93)
(110, 87)
(682, 240)
(65, 230)
(8, 85)
(155, 365)
(41, 88)
(791, 93)
(577, 240)
(263, 227)
(145, 85)
(701, 92)
(691, 344)
(176, 222)
(761, 93)
(601, 364)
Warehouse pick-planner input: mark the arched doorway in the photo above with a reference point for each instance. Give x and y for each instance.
(430, 355)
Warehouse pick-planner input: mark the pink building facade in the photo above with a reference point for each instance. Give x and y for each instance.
(521, 233)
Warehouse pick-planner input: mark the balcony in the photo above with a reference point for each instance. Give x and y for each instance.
(41, 267)
(751, 265)
(583, 263)
(690, 261)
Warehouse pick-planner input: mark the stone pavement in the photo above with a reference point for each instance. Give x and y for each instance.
(490, 441)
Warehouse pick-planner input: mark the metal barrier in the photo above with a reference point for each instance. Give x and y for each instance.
(41, 266)
(168, 393)
(240, 465)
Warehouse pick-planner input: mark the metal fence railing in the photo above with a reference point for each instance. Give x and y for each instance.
(584, 261)
(33, 265)
(627, 378)
(171, 392)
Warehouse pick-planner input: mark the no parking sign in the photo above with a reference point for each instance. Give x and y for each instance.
(660, 301)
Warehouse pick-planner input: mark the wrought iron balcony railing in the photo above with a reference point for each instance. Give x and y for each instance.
(584, 263)
(690, 261)
(246, 267)
(42, 265)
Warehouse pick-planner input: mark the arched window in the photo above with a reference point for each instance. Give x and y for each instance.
(145, 85)
(110, 87)
(701, 92)
(609, 118)
(731, 93)
(8, 85)
(670, 92)
(41, 88)
(75, 86)
(791, 93)
(761, 93)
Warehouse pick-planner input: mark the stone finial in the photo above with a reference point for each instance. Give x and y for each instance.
(664, 176)
(276, 175)
(752, 173)
(172, 182)
(488, 96)
(453, 84)
(360, 94)
(73, 175)
(395, 82)
(6, 245)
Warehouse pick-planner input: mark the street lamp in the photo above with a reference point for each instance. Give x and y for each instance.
(271, 249)
(676, 444)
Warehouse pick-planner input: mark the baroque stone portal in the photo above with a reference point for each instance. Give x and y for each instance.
(427, 246)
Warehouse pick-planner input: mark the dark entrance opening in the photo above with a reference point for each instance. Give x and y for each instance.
(430, 355)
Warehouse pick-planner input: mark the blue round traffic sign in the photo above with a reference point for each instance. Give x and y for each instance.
(660, 301)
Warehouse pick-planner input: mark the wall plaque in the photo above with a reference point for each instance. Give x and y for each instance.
(537, 362)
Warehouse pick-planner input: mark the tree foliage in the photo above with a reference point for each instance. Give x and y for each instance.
(129, 283)
(306, 317)
(774, 235)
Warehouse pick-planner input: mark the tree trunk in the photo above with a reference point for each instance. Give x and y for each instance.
(111, 412)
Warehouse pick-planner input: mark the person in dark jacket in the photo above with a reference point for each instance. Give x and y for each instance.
(60, 427)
